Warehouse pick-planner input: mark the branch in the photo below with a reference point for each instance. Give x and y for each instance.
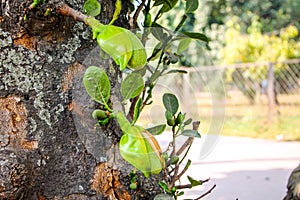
(65, 10)
(206, 193)
(190, 185)
(137, 13)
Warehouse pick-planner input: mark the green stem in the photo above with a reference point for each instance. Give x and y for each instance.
(107, 107)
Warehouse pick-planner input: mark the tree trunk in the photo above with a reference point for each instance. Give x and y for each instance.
(50, 147)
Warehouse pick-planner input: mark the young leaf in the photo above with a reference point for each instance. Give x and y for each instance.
(117, 11)
(92, 8)
(194, 182)
(163, 197)
(165, 187)
(191, 133)
(180, 193)
(170, 102)
(137, 110)
(132, 86)
(97, 84)
(188, 121)
(157, 130)
(183, 45)
(191, 6)
(174, 160)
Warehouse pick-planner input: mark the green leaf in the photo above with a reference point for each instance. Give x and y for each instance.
(180, 193)
(191, 6)
(140, 148)
(165, 187)
(191, 133)
(168, 5)
(188, 121)
(174, 160)
(170, 102)
(97, 84)
(183, 45)
(157, 130)
(158, 2)
(103, 122)
(92, 8)
(132, 86)
(137, 110)
(158, 32)
(198, 36)
(194, 182)
(99, 114)
(163, 197)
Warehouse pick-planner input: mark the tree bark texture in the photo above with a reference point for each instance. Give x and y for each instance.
(49, 145)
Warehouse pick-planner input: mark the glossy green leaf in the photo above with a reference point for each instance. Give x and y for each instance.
(157, 130)
(191, 133)
(170, 102)
(194, 182)
(97, 84)
(183, 45)
(92, 8)
(132, 86)
(120, 44)
(137, 110)
(139, 148)
(191, 6)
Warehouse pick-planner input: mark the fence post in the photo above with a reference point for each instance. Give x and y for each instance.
(271, 92)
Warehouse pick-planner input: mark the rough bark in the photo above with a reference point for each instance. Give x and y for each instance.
(49, 146)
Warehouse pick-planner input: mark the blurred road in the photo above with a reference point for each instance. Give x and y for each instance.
(242, 168)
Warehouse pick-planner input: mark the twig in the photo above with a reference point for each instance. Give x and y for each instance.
(190, 185)
(190, 140)
(65, 10)
(177, 177)
(137, 12)
(206, 193)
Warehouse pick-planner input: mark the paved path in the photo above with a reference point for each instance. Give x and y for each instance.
(243, 168)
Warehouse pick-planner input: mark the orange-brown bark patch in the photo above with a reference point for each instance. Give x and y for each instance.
(69, 75)
(71, 106)
(29, 42)
(106, 182)
(13, 119)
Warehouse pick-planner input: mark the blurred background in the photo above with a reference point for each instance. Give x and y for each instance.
(244, 87)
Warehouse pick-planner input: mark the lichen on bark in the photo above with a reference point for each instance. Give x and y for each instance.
(55, 160)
